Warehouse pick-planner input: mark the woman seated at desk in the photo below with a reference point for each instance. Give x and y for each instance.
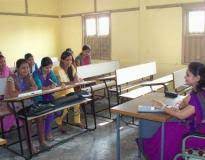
(84, 58)
(30, 60)
(190, 113)
(45, 79)
(21, 82)
(66, 73)
(9, 120)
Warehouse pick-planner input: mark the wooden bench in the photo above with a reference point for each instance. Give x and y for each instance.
(101, 72)
(129, 78)
(143, 89)
(179, 83)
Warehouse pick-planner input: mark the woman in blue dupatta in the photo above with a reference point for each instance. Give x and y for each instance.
(45, 79)
(190, 114)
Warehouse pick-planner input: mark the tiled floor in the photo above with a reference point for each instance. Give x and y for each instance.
(93, 145)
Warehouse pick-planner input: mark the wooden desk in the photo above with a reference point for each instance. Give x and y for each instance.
(107, 78)
(130, 108)
(29, 118)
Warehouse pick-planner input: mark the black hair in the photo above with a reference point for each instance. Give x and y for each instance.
(69, 50)
(19, 62)
(69, 71)
(27, 56)
(1, 56)
(65, 54)
(86, 47)
(198, 69)
(46, 61)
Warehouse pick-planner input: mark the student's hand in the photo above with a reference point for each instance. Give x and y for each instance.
(177, 105)
(33, 88)
(52, 86)
(158, 104)
(63, 85)
(80, 80)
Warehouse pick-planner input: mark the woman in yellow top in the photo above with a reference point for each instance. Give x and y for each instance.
(66, 72)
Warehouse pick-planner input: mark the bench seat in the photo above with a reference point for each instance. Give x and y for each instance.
(137, 92)
(99, 86)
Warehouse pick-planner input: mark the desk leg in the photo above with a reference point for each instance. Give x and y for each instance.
(118, 137)
(18, 128)
(27, 130)
(93, 110)
(29, 137)
(85, 115)
(162, 141)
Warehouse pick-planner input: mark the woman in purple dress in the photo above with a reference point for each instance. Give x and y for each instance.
(189, 118)
(22, 82)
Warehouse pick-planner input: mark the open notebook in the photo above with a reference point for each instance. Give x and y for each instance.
(148, 109)
(2, 85)
(30, 93)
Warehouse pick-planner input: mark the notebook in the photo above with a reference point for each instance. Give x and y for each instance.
(3, 85)
(148, 109)
(30, 93)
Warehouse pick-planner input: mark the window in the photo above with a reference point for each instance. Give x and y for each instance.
(194, 34)
(196, 21)
(90, 26)
(97, 34)
(103, 26)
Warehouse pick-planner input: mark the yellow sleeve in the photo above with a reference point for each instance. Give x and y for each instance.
(56, 72)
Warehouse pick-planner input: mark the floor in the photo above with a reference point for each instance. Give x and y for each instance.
(91, 145)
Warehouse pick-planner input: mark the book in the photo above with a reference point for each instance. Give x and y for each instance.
(148, 109)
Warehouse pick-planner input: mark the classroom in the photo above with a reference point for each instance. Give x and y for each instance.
(102, 79)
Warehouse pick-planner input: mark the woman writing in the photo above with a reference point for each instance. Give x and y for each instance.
(189, 117)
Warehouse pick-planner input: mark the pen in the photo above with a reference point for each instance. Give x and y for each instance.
(53, 82)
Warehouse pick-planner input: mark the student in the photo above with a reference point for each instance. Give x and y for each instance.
(4, 69)
(189, 115)
(21, 82)
(30, 60)
(9, 120)
(84, 58)
(71, 52)
(45, 79)
(66, 73)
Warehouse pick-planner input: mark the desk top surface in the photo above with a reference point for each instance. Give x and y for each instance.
(130, 108)
(43, 92)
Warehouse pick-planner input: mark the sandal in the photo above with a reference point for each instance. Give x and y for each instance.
(35, 150)
(81, 125)
(62, 129)
(50, 138)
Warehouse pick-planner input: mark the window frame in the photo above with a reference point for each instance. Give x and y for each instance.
(101, 40)
(185, 28)
(96, 16)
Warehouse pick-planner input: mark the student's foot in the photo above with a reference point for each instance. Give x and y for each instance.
(81, 125)
(50, 137)
(35, 150)
(62, 129)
